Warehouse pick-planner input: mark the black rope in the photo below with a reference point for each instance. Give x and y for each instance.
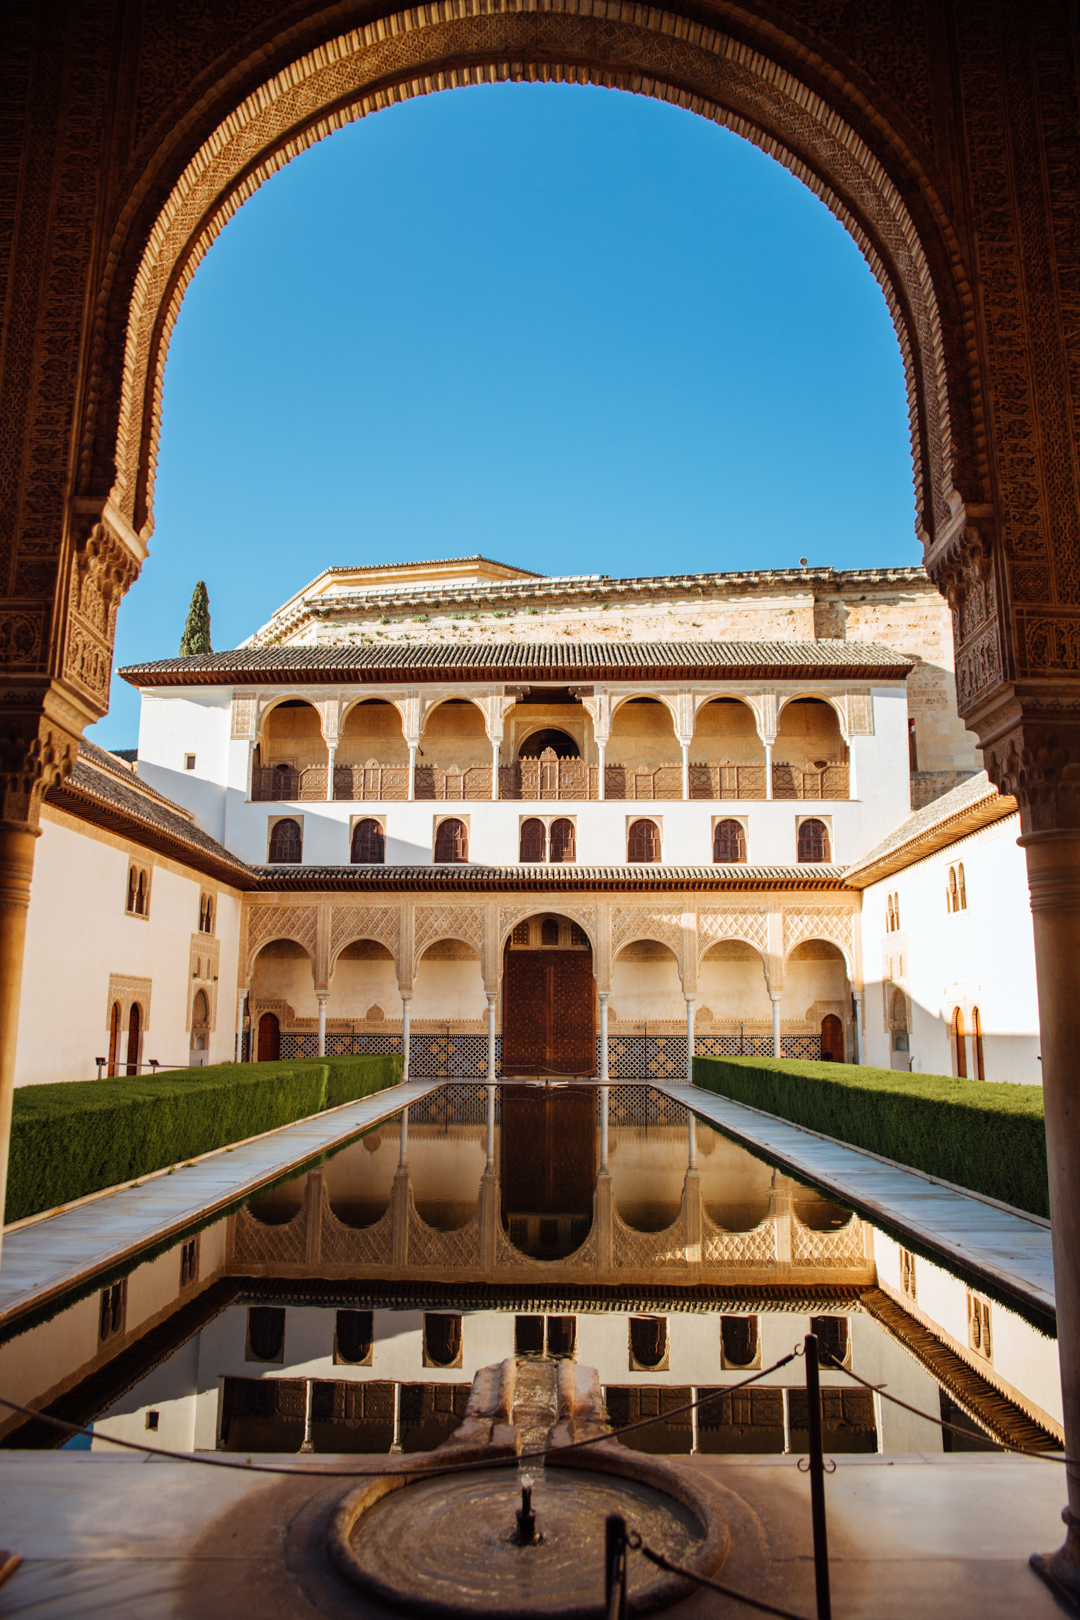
(634, 1540)
(435, 1471)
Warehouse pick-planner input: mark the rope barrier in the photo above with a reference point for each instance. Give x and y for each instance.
(634, 1540)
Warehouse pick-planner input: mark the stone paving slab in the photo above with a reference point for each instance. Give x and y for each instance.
(48, 1256)
(108, 1535)
(1006, 1246)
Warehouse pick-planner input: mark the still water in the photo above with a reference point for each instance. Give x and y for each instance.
(348, 1309)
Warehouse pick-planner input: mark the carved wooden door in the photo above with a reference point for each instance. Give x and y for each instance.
(548, 1156)
(832, 1039)
(548, 1013)
(269, 1038)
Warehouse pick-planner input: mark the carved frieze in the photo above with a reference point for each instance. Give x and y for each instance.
(103, 569)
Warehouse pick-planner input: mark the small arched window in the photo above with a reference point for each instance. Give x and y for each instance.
(532, 840)
(889, 924)
(549, 931)
(114, 1040)
(960, 1043)
(952, 899)
(977, 1043)
(896, 912)
(563, 841)
(643, 843)
(286, 844)
(729, 842)
(813, 840)
(961, 887)
(133, 887)
(206, 914)
(368, 843)
(134, 1034)
(451, 840)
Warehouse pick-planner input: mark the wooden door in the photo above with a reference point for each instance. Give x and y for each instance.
(548, 1150)
(114, 1040)
(134, 1030)
(832, 1039)
(269, 1038)
(548, 1013)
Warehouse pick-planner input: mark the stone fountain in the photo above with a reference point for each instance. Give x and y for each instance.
(522, 1538)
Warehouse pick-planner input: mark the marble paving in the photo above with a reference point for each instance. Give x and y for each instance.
(1006, 1246)
(109, 1535)
(46, 1257)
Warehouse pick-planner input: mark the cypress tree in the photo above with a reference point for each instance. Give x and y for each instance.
(196, 636)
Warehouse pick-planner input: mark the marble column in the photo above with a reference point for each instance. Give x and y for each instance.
(403, 1140)
(604, 1098)
(330, 752)
(774, 997)
(491, 1037)
(685, 769)
(322, 1026)
(768, 770)
(412, 771)
(601, 748)
(17, 845)
(489, 1167)
(690, 1039)
(495, 770)
(406, 998)
(602, 996)
(691, 1142)
(860, 1025)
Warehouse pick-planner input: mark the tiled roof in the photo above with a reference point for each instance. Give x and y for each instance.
(539, 660)
(428, 562)
(102, 790)
(463, 876)
(973, 804)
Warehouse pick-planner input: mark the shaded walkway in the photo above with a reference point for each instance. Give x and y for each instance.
(1007, 1247)
(51, 1254)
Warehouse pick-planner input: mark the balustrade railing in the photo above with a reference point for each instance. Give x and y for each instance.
(547, 778)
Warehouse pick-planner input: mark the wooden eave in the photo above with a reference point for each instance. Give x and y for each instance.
(465, 878)
(150, 834)
(995, 807)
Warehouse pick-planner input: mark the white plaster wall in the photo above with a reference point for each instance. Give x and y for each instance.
(1023, 1356)
(78, 933)
(448, 990)
(646, 991)
(987, 949)
(359, 985)
(195, 721)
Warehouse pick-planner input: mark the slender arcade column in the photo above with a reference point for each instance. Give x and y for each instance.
(775, 999)
(768, 770)
(601, 749)
(495, 770)
(489, 1167)
(604, 1096)
(405, 1000)
(491, 1038)
(685, 769)
(330, 752)
(412, 771)
(322, 1026)
(691, 1142)
(860, 1028)
(16, 870)
(1053, 863)
(603, 998)
(690, 1039)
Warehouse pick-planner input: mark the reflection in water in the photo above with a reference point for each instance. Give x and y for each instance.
(348, 1309)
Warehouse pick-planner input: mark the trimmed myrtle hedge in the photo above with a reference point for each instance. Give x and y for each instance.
(76, 1137)
(988, 1137)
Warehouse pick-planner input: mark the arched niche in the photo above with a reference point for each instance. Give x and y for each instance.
(283, 971)
(290, 734)
(364, 985)
(448, 988)
(643, 735)
(562, 744)
(808, 735)
(455, 736)
(372, 730)
(646, 990)
(726, 730)
(816, 988)
(732, 993)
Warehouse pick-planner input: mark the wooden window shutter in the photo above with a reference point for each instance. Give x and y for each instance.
(813, 840)
(531, 845)
(451, 841)
(286, 844)
(563, 840)
(643, 843)
(729, 842)
(368, 844)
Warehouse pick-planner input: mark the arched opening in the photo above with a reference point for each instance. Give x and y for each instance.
(959, 1041)
(114, 1040)
(644, 758)
(563, 841)
(269, 1038)
(368, 843)
(561, 744)
(548, 999)
(371, 760)
(547, 1167)
(643, 841)
(290, 757)
(977, 1044)
(729, 842)
(532, 844)
(448, 998)
(815, 1009)
(451, 840)
(134, 1038)
(810, 757)
(899, 1034)
(454, 757)
(727, 757)
(646, 1013)
(200, 1029)
(365, 1003)
(814, 842)
(734, 1013)
(286, 843)
(283, 983)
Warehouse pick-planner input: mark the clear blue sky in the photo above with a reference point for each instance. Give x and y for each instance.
(569, 328)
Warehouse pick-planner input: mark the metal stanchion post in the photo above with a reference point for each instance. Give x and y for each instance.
(817, 1479)
(615, 1567)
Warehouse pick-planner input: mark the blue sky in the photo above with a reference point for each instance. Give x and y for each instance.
(566, 327)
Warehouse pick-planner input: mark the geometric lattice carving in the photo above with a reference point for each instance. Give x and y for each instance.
(584, 916)
(441, 1250)
(298, 923)
(357, 1246)
(648, 1251)
(255, 1242)
(506, 1255)
(750, 925)
(348, 923)
(842, 1249)
(449, 922)
(245, 706)
(860, 714)
(824, 922)
(754, 1248)
(125, 990)
(645, 922)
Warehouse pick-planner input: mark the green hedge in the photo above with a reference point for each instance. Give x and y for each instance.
(988, 1137)
(76, 1137)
